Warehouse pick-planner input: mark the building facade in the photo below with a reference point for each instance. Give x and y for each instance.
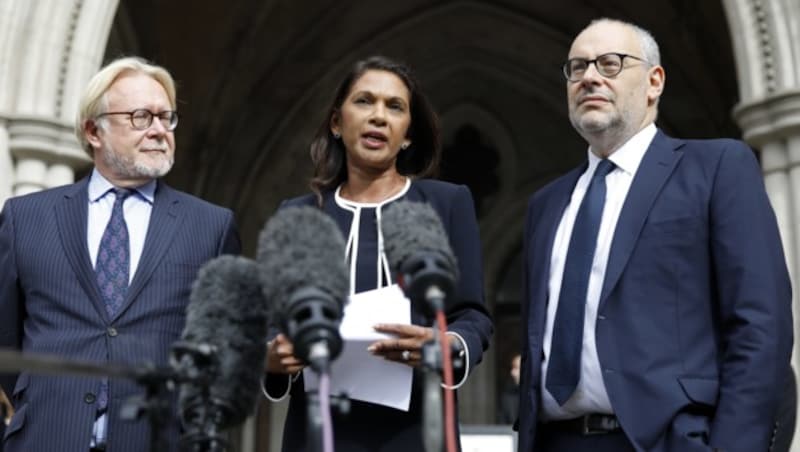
(254, 77)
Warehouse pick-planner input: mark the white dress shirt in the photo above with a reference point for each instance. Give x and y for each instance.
(590, 395)
(137, 209)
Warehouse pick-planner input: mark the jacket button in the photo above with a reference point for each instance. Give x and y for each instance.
(112, 331)
(89, 398)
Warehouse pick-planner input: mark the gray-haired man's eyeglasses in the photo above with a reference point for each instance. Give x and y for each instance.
(142, 118)
(608, 65)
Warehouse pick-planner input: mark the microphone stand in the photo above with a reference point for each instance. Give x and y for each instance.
(154, 404)
(438, 418)
(432, 413)
(318, 414)
(312, 323)
(426, 280)
(202, 414)
(203, 434)
(432, 400)
(158, 382)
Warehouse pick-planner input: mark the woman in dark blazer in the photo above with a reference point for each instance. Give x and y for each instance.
(378, 140)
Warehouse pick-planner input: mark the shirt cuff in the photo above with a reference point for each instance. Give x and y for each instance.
(464, 357)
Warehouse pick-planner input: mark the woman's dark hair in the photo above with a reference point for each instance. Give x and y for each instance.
(420, 159)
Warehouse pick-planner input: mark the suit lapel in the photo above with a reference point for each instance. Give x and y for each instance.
(657, 164)
(165, 218)
(71, 215)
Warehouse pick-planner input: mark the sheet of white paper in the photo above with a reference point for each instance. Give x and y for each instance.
(356, 372)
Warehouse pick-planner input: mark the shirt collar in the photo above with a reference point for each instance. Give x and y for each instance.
(99, 186)
(629, 155)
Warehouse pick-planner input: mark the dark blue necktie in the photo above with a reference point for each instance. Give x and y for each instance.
(112, 268)
(113, 256)
(564, 366)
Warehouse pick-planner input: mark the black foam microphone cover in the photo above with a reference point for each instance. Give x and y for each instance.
(227, 313)
(304, 277)
(418, 249)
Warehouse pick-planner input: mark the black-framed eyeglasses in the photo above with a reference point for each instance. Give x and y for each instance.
(608, 65)
(142, 118)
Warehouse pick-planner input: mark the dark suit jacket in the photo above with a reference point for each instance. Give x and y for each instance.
(372, 428)
(694, 330)
(50, 303)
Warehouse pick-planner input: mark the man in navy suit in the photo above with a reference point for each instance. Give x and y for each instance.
(73, 287)
(684, 325)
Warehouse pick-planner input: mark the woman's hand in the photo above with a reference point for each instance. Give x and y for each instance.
(280, 357)
(406, 347)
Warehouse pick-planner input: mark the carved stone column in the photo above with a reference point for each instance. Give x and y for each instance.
(765, 35)
(48, 51)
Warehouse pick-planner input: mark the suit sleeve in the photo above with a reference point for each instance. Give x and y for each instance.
(11, 300)
(754, 303)
(525, 359)
(230, 242)
(467, 315)
(276, 387)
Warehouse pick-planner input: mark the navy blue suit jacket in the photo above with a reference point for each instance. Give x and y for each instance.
(694, 330)
(374, 428)
(51, 304)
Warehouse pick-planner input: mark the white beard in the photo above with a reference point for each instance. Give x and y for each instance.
(129, 167)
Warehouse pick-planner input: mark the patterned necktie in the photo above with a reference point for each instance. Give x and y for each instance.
(564, 367)
(113, 257)
(112, 268)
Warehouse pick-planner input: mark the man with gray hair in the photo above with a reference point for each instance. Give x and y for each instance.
(101, 270)
(658, 311)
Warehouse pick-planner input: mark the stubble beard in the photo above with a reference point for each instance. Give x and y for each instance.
(586, 124)
(129, 167)
(606, 132)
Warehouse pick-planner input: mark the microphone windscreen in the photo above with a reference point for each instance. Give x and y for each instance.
(413, 228)
(301, 247)
(227, 310)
